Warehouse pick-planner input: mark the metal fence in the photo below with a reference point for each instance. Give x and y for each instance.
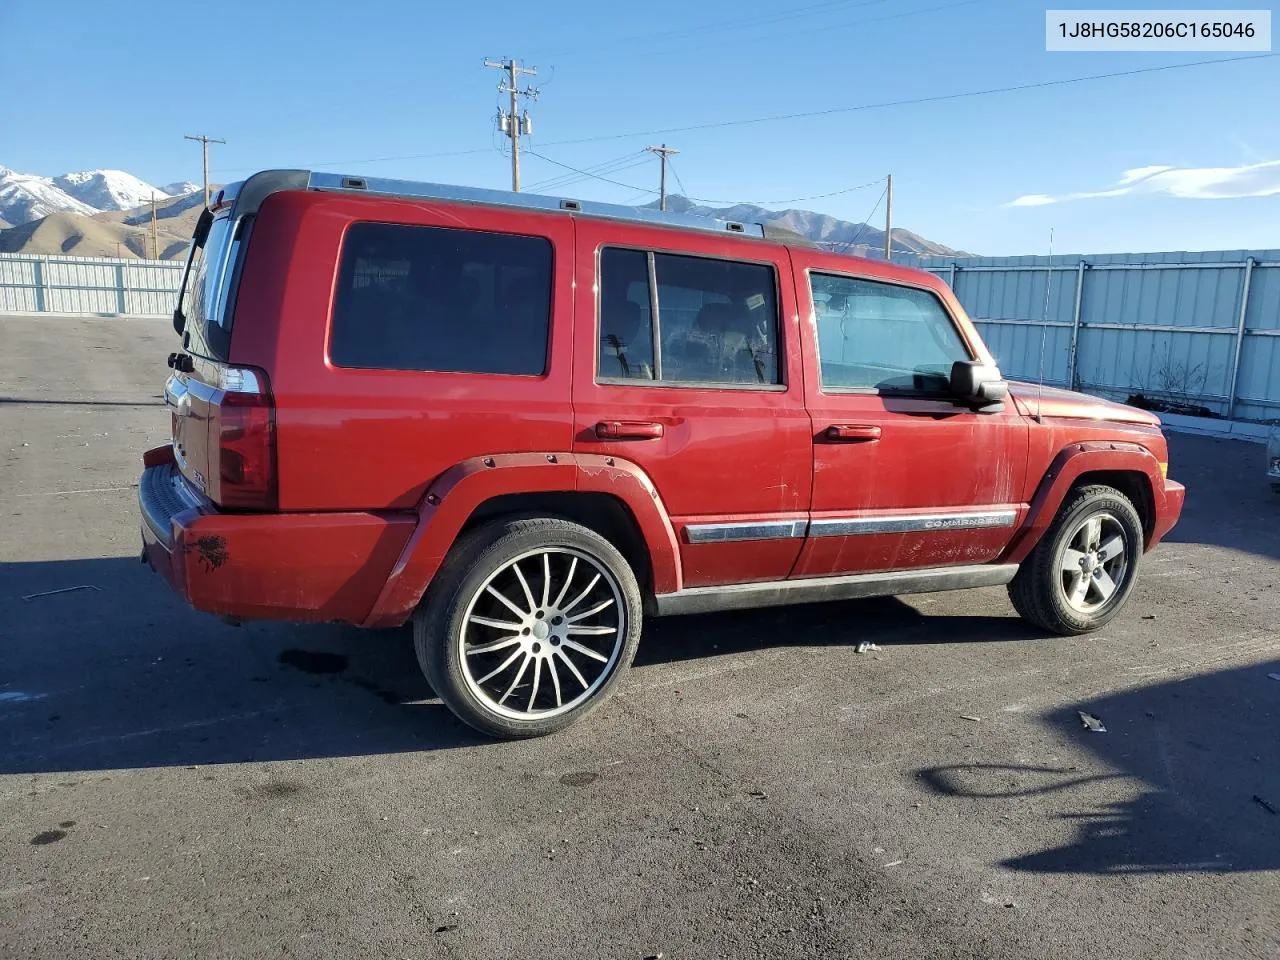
(1196, 328)
(32, 283)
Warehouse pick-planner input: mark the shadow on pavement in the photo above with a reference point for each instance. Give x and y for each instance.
(1229, 501)
(887, 620)
(122, 674)
(1204, 755)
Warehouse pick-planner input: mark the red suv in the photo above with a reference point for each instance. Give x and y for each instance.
(526, 423)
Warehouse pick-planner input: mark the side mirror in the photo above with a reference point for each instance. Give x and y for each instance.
(980, 384)
(179, 321)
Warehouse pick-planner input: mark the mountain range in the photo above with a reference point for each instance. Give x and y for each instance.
(107, 213)
(95, 213)
(25, 197)
(859, 239)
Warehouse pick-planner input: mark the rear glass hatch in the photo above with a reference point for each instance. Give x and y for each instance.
(213, 405)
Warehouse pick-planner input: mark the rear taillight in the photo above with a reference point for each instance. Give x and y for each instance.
(246, 442)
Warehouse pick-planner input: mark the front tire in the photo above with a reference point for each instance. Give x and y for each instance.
(1082, 571)
(528, 626)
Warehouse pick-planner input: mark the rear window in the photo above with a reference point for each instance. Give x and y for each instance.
(204, 299)
(439, 299)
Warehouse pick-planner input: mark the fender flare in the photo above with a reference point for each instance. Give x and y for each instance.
(1067, 467)
(452, 498)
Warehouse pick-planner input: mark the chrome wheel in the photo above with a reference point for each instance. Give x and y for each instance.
(542, 634)
(1094, 563)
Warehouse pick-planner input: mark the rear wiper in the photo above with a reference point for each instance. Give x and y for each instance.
(198, 238)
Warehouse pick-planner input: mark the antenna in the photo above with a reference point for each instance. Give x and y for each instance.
(1044, 326)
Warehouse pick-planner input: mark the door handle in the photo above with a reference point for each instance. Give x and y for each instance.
(853, 432)
(628, 430)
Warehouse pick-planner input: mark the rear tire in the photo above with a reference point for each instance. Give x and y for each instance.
(528, 626)
(1078, 577)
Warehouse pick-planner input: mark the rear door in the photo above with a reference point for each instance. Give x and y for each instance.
(905, 476)
(687, 364)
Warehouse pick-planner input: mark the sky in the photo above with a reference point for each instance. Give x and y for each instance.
(1181, 159)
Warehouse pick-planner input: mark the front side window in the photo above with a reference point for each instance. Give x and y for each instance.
(439, 299)
(717, 320)
(883, 337)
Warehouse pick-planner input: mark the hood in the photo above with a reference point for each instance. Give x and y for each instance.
(1067, 404)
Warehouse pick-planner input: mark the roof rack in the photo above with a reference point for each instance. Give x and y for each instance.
(528, 201)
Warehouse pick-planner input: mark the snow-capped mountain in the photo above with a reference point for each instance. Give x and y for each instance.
(108, 189)
(180, 188)
(25, 197)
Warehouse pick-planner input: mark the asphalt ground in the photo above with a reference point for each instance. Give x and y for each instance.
(171, 786)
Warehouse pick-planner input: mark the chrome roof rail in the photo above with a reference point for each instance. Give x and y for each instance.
(528, 201)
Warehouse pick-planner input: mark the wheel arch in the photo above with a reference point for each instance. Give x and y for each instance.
(1134, 484)
(1128, 467)
(613, 497)
(606, 514)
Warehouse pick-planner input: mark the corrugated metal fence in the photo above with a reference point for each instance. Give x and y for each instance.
(1196, 328)
(88, 285)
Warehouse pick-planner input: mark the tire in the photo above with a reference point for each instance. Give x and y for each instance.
(1047, 590)
(554, 647)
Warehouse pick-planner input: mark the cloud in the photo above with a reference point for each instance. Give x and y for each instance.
(1033, 200)
(1185, 183)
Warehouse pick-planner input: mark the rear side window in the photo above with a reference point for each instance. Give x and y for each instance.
(717, 320)
(883, 337)
(439, 299)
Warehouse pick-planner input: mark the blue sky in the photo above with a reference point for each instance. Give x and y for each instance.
(345, 85)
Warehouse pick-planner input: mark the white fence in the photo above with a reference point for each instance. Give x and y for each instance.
(100, 286)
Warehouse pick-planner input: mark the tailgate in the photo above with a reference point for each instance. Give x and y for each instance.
(191, 404)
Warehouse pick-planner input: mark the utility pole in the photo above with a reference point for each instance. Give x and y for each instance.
(663, 151)
(155, 236)
(204, 142)
(511, 124)
(888, 219)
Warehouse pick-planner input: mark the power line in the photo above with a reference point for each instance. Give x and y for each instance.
(625, 162)
(854, 242)
(593, 176)
(680, 183)
(819, 196)
(937, 98)
(760, 203)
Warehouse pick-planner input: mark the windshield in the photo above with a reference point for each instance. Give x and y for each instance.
(203, 298)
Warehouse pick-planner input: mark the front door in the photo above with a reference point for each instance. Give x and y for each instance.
(688, 365)
(905, 476)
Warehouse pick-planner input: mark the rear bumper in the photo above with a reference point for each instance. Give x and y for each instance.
(283, 566)
(1175, 494)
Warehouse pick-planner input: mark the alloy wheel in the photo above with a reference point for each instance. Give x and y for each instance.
(542, 634)
(1094, 563)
